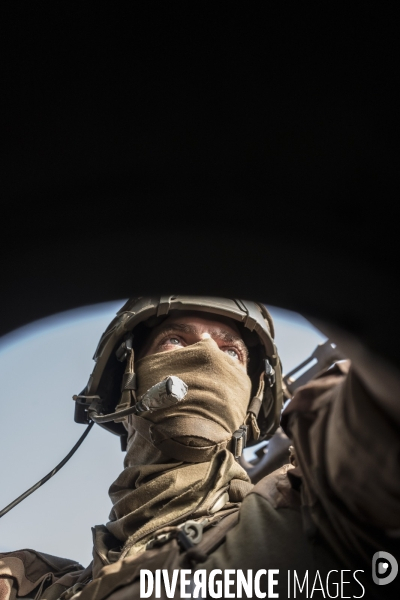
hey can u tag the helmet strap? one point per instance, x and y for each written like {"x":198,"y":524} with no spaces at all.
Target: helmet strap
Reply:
{"x":128,"y":386}
{"x":254,"y":409}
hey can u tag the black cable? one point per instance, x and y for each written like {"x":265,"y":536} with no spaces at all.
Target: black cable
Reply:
{"x":99,"y":418}
{"x":49,"y":475}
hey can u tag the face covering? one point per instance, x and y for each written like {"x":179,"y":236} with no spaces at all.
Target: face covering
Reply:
{"x":178,"y":464}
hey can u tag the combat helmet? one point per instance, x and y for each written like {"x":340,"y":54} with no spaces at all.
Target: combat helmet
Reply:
{"x":101,"y":400}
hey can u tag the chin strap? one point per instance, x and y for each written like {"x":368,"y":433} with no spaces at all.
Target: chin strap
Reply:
{"x":254,"y":408}
{"x":128,"y":386}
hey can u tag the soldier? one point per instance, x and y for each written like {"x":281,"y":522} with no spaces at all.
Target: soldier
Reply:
{"x":200,"y":378}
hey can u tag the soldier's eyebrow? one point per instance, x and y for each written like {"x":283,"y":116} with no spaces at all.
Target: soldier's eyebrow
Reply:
{"x":222,"y":334}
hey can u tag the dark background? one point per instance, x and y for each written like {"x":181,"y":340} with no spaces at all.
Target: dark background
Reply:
{"x":176,"y":148}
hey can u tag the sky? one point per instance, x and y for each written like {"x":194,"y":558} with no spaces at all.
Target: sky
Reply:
{"x":42,"y":365}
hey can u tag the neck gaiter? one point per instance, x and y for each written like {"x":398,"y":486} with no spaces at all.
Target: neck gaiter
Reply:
{"x":178,"y":465}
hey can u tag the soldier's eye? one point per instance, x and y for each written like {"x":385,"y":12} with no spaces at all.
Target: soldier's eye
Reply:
{"x":174,"y":341}
{"x":232,"y":353}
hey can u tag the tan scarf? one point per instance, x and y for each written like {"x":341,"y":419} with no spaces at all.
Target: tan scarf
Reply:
{"x":159,"y":485}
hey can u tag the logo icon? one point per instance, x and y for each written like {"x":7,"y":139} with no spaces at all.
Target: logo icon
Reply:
{"x":384,"y":568}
